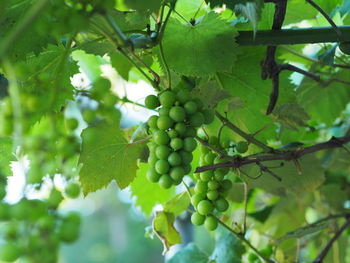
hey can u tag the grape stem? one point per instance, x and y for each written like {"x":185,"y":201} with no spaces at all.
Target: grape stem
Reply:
{"x":241,"y":237}
{"x":244,"y":135}
{"x":279,"y":156}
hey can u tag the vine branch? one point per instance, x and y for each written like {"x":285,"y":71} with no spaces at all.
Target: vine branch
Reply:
{"x":281,"y":156}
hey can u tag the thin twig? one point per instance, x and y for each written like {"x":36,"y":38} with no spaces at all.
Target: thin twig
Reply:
{"x":286,"y":156}
{"x":140,"y":141}
{"x":162,"y":56}
{"x":325,"y":15}
{"x":245,"y":207}
{"x":326,"y":249}
{"x":301,"y":71}
{"x":244,"y":135}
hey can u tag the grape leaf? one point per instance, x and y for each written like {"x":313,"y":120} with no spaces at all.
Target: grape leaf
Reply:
{"x":189,"y":49}
{"x":324,"y":101}
{"x":148,"y":194}
{"x":291,"y":115}
{"x":335,"y":201}
{"x":141,"y":5}
{"x":311,"y":177}
{"x":228,"y":249}
{"x":106,"y":157}
{"x":177,"y":204}
{"x":121,"y":64}
{"x":190,"y":253}
{"x":163,"y":226}
{"x":263,"y":214}
{"x":6,"y":156}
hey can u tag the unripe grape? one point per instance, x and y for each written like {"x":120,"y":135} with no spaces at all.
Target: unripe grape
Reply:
{"x":212,"y":195}
{"x":213,"y":140}
{"x":211,"y":223}
{"x":208,"y":116}
{"x":162,"y":166}
{"x":207,"y":175}
{"x":167,"y":98}
{"x":177,"y":113}
{"x":152,"y":121}
{"x":164,"y":111}
{"x":174,"y":159}
{"x":221,"y":204}
{"x":172,"y":133}
{"x":187,"y":168}
{"x":55,"y":198}
{"x":201,"y":187}
{"x":183,"y":95}
{"x":190,"y":144}
{"x":226,"y":184}
{"x":164,"y":122}
{"x":89,"y":115}
{"x":176,"y":144}
{"x":161,"y":137}
{"x":72,"y":124}
{"x":190,"y":132}
{"x":9,"y":252}
{"x":181,"y":128}
{"x":151,"y":102}
{"x":209,"y":158}
{"x":162,"y":152}
{"x":165,"y":181}
{"x":190,"y":107}
{"x":186,"y":157}
{"x":196,"y":198}
{"x":197,"y":119}
{"x":72,"y":190}
{"x":242,"y":147}
{"x":205,"y":207}
{"x":152,"y":175}
{"x":177,"y":173}
{"x":213,"y":185}
{"x":197,"y":219}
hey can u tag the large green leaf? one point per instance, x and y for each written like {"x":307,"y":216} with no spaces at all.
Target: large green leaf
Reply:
{"x":291,"y":115}
{"x":163,"y":226}
{"x":228,"y":249}
{"x":311,"y":177}
{"x":190,"y":49}
{"x":325,"y":101}
{"x":106,"y":155}
{"x":191,"y":253}
{"x":148,"y":194}
{"x":178,"y":204}
{"x":6,"y":156}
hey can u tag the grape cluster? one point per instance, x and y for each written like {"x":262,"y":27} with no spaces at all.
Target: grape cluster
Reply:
{"x":210,"y":190}
{"x":173,"y":133}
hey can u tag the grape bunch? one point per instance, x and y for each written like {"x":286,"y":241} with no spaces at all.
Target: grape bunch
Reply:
{"x":211,"y":190}
{"x":173,"y":131}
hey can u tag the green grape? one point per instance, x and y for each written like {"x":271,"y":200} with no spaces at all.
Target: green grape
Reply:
{"x":152,"y":175}
{"x":197,"y":119}
{"x":252,"y":258}
{"x":177,"y":173}
{"x":267,"y":251}
{"x":207,"y":175}
{"x":20,"y":210}
{"x":72,"y":124}
{"x":164,"y":122}
{"x":219,"y":174}
{"x":177,"y":113}
{"x":190,"y":144}
{"x":176,"y":144}
{"x":152,"y":147}
{"x":152,"y":102}
{"x":221,"y":204}
{"x":174,"y":159}
{"x":181,"y":128}
{"x":205,"y":207}
{"x":190,"y":107}
{"x":212,"y":195}
{"x":226,"y":184}
{"x":89,"y":115}
{"x":196,"y":198}
{"x":165,"y":181}
{"x":225,"y":144}
{"x":110,"y":100}
{"x":213,"y":185}
{"x":211,"y":223}
{"x":162,"y":167}
{"x":33,"y":103}
{"x":172,"y":133}
{"x":162,"y":152}
{"x":68,"y":232}
{"x":199,"y":103}
{"x":213,"y":140}
{"x":167,"y":98}
{"x":197,"y":219}
{"x":186,"y":157}
{"x":208,"y":116}
{"x":46,"y":222}
{"x":242,"y":147}
{"x":201,"y":187}
{"x":152,"y":159}
{"x":74,"y":218}
{"x":11,"y":231}
{"x":152,"y":121}
{"x":72,"y":190}
{"x":4,"y":211}
{"x":183,"y":95}
{"x":9,"y":252}
{"x":209,"y":158}
{"x":190,"y":132}
{"x":164,"y":111}
{"x":187,"y":168}
{"x":161,"y":137}
{"x":55,"y":198}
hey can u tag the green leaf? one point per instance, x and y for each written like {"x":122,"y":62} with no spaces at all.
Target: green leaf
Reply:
{"x":252,"y":11}
{"x":335,"y":201}
{"x":228,"y":249}
{"x":291,"y":115}
{"x":190,"y":253}
{"x":210,"y":94}
{"x":121,"y":64}
{"x":6,"y":156}
{"x":106,"y":155}
{"x":148,"y":194}
{"x":177,"y":204}
{"x":262,"y":214}
{"x":90,"y":64}
{"x":163,"y":226}
{"x":141,"y":5}
{"x":236,"y":193}
{"x":189,"y":49}
{"x":307,"y":230}
{"x":311,"y":177}
{"x":324,"y":101}
{"x":327,"y":57}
